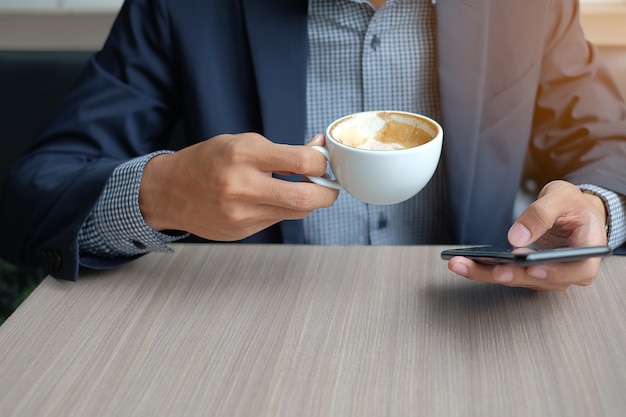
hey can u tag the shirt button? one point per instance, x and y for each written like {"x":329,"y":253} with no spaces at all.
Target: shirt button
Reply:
{"x":382,"y":222}
{"x":375,"y":43}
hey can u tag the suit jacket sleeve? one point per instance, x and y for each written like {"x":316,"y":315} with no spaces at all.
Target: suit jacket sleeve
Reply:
{"x":122,"y":107}
{"x":580,"y":118}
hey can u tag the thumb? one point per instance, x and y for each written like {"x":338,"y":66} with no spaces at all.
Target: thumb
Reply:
{"x":519,"y":235}
{"x":317,"y":140}
{"x":534,"y":222}
{"x":541,"y":215}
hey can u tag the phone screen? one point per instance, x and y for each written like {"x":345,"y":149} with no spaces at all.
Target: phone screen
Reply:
{"x":525,"y":256}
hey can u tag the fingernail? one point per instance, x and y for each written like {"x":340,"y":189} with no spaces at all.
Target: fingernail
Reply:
{"x":505,"y":276}
{"x":460,"y":269}
{"x":519,"y":235}
{"x":539,"y":273}
{"x":317,"y":139}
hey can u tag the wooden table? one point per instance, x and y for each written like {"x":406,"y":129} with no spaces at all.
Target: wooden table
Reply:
{"x":234,"y":330}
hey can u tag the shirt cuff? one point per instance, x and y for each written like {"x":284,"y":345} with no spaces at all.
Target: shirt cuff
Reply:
{"x":116,"y":226}
{"x":616,"y":208}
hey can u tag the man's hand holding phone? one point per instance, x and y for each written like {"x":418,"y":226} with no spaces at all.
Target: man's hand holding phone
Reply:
{"x":561,"y":217}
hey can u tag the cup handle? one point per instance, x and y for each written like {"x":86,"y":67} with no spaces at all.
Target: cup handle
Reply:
{"x":326,"y":182}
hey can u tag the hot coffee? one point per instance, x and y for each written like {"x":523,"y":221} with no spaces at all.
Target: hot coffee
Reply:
{"x":401,"y":154}
{"x":383,"y":131}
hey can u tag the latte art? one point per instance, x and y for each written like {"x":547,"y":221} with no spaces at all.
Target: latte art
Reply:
{"x":382,"y":131}
{"x":373,"y":144}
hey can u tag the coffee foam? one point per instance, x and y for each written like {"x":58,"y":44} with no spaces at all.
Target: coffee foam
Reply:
{"x":382,"y":131}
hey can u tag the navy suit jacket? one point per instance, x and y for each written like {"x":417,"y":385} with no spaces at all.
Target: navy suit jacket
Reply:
{"x":513,"y":76}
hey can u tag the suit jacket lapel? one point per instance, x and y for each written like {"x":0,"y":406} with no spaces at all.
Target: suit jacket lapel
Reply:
{"x":277,"y":31}
{"x":462,"y":45}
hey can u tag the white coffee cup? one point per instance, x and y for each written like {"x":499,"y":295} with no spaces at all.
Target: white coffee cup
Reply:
{"x":381,"y":157}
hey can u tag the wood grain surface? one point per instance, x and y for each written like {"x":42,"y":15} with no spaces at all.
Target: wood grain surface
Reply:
{"x":236,"y":330}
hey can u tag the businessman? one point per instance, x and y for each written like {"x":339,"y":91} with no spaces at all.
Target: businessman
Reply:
{"x":253,"y":81}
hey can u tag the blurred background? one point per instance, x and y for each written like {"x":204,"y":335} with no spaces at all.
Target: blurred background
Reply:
{"x":31,"y":31}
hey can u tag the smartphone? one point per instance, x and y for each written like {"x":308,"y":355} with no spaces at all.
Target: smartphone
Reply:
{"x":493,"y":255}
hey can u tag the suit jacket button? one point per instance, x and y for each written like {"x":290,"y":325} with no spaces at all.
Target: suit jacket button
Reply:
{"x":50,"y":259}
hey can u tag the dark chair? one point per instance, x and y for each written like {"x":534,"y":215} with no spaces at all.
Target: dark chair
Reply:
{"x":32,"y":83}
